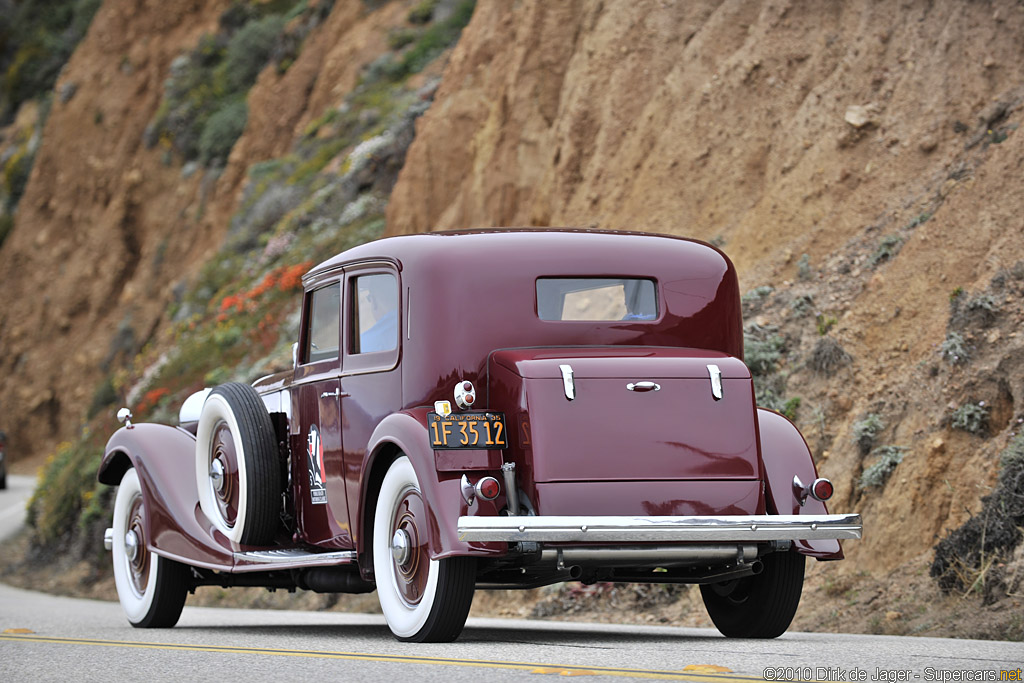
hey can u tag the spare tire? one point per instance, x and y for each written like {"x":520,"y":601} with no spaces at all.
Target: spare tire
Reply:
{"x":237,"y":471}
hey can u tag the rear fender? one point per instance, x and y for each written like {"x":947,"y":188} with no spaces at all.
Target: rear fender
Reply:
{"x":406,"y":432}
{"x":164,"y":458}
{"x":785,"y":454}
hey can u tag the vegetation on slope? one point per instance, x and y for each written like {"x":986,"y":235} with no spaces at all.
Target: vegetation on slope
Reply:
{"x":237,"y":321}
{"x":36,"y":40}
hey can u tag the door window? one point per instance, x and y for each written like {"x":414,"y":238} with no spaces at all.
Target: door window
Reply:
{"x":374,"y":313}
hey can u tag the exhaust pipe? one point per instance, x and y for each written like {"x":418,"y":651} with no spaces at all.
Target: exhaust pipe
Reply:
{"x":508,"y":473}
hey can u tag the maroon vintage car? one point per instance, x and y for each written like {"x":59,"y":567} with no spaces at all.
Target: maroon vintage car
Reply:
{"x":493,"y":409}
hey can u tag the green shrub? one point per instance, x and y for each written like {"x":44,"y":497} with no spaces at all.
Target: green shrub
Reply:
{"x":790,"y":407}
{"x":36,"y":39}
{"x":887,"y":248}
{"x":433,"y":41}
{"x":803,"y":268}
{"x":954,"y":349}
{"x":249,"y":50}
{"x":802,"y":304}
{"x":888,"y":458}
{"x":423,"y":12}
{"x":866,"y":431}
{"x":6,"y":225}
{"x":757,"y":294}
{"x":828,"y":355}
{"x":762,"y":349}
{"x":918,"y":219}
{"x":222,"y":130}
{"x":824,"y":323}
{"x":66,"y":485}
{"x":15,"y":174}
{"x":964,"y":557}
{"x":971,"y":417}
{"x":399,"y":38}
{"x":104,"y":396}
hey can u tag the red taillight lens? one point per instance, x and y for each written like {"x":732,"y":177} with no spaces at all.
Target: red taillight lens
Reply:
{"x":488,"y":488}
{"x":822,"y":489}
{"x":466,"y":386}
{"x":469,"y":398}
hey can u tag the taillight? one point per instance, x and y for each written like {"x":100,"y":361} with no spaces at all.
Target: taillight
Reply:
{"x":465,"y":394}
{"x":821,"y":489}
{"x":487,"y":489}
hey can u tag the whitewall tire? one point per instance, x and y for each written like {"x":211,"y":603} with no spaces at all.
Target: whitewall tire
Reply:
{"x":151,"y":589}
{"x":423,"y":600}
{"x":237,"y":471}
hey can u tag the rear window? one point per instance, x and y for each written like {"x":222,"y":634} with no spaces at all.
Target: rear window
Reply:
{"x":596,"y":299}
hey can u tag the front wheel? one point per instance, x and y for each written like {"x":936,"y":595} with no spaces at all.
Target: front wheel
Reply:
{"x":760,"y":606}
{"x":423,"y":600}
{"x":151,"y":588}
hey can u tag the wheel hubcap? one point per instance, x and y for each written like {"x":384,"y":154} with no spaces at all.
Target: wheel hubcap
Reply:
{"x":136,"y":554}
{"x":217,"y":475}
{"x":224,"y":473}
{"x":400,"y":547}
{"x":131,"y":546}
{"x":409,"y":551}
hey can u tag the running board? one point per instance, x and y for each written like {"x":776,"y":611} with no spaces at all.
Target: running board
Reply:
{"x":289,"y":558}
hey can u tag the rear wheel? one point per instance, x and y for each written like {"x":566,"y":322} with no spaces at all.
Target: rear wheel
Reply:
{"x":423,"y":600}
{"x":151,"y":588}
{"x":237,"y":472}
{"x":760,"y":606}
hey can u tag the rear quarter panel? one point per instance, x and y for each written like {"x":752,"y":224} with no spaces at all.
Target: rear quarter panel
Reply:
{"x":785,"y":454}
{"x":406,"y":433}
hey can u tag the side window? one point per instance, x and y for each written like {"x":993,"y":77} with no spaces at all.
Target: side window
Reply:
{"x":324,"y":317}
{"x":374,"y":312}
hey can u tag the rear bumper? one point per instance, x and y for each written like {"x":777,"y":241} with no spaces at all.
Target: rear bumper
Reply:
{"x":745,"y":528}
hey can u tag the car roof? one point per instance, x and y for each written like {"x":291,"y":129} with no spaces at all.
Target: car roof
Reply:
{"x":544,"y":248}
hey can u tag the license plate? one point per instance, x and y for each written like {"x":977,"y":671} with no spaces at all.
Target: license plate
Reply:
{"x":467,"y":430}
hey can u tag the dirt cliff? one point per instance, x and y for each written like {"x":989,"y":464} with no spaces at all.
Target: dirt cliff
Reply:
{"x":776,"y":129}
{"x":109,"y":228}
{"x":859,"y":162}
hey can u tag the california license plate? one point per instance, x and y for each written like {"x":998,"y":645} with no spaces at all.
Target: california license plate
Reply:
{"x":467,"y":430}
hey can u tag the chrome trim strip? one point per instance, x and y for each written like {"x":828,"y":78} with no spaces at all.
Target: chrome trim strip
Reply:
{"x":567,"y":382}
{"x":289,"y":558}
{"x":191,"y":562}
{"x":660,"y":529}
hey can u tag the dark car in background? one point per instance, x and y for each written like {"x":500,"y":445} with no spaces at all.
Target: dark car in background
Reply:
{"x":3,"y":460}
{"x":492,"y":409}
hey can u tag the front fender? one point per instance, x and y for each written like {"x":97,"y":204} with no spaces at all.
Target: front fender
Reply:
{"x":785,"y":453}
{"x":164,"y":458}
{"x":406,"y":431}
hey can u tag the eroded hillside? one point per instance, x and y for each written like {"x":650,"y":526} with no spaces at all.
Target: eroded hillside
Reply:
{"x":859,"y":158}
{"x":859,"y":161}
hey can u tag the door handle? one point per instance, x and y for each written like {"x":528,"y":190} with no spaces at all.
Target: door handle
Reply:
{"x":337,"y":393}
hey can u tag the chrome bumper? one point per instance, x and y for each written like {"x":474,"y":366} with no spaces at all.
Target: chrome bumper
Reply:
{"x":748,"y":528}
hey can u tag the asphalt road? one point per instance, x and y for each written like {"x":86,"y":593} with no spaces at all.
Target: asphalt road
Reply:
{"x":43,"y":638}
{"x":49,"y":638}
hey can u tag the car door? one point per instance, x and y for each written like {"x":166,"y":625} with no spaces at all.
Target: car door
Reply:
{"x":317,"y":460}
{"x":371,"y":381}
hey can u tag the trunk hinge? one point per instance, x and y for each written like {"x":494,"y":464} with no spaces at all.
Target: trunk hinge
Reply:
{"x":567,"y":381}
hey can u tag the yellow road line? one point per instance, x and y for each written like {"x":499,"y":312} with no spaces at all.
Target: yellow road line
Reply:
{"x":564,"y":670}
